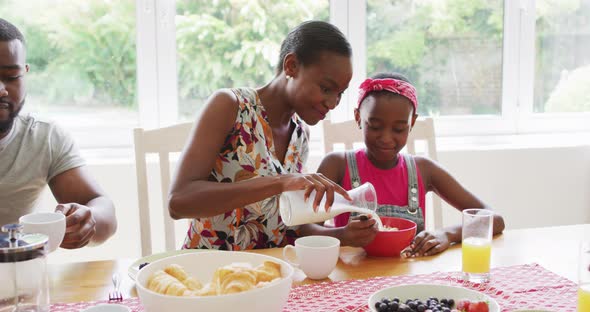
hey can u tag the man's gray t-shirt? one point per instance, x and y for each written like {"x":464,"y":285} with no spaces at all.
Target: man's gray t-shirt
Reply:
{"x":32,"y":154}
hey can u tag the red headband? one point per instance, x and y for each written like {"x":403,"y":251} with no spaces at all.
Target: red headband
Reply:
{"x":388,"y":84}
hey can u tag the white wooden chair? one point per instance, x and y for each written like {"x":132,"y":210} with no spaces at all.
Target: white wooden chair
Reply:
{"x":162,"y":141}
{"x":348,"y":133}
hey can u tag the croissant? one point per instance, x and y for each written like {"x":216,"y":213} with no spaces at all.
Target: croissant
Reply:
{"x":163,"y":283}
{"x":178,"y":272}
{"x":267,"y":271}
{"x":208,"y":290}
{"x":233,"y":278}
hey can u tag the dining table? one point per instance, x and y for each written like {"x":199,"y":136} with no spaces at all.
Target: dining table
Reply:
{"x":554,"y":249}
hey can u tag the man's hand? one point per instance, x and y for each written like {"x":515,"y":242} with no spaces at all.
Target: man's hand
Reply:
{"x":80,"y":225}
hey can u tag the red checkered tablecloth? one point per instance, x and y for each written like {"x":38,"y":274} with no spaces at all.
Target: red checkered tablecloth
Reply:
{"x":516,"y":287}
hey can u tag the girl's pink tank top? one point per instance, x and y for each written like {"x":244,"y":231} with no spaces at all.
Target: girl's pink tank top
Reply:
{"x":391,"y":185}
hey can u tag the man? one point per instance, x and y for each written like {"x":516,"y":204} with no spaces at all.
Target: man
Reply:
{"x":34,"y":153}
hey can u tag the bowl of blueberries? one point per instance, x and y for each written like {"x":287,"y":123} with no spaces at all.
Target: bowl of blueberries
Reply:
{"x":433,"y":298}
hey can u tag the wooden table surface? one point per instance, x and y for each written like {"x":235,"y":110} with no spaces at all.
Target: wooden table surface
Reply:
{"x":555,"y":248}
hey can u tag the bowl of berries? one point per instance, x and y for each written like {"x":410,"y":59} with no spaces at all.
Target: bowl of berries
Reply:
{"x":428,"y":297}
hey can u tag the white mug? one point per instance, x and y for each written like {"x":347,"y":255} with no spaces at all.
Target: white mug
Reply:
{"x":316,"y":255}
{"x":52,"y":224}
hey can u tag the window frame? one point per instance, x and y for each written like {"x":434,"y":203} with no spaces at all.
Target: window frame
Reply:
{"x":157,"y":79}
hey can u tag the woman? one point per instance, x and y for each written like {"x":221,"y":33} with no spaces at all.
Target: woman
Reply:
{"x":249,"y":145}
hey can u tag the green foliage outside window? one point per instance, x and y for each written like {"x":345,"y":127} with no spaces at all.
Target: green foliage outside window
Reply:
{"x":452,"y":50}
{"x":419,"y":39}
{"x":233,"y":43}
{"x":80,"y":52}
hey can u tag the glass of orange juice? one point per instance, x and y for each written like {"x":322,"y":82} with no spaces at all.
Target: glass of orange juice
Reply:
{"x":477,"y":244}
{"x":584,"y":277}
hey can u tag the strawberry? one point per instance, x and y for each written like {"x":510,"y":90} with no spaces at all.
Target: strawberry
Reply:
{"x":463,"y":305}
{"x":479,"y":306}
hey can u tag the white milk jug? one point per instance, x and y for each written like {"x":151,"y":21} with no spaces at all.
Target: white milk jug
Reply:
{"x":295,"y":210}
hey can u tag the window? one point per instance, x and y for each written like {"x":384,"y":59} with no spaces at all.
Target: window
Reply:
{"x":227,"y":43}
{"x":451,"y":50}
{"x":562,"y":79}
{"x":481,"y":66}
{"x":82,"y":66}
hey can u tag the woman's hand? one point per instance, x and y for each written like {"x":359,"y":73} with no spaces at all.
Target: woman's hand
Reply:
{"x":313,"y":182}
{"x":427,"y":243}
{"x":359,"y":232}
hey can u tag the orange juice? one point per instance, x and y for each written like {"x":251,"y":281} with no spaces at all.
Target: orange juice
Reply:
{"x":584,"y":298}
{"x":476,"y":255}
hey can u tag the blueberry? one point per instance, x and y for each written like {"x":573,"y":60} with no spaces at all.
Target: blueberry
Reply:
{"x":143,"y":264}
{"x":451,"y":303}
{"x":404,"y":308}
{"x":393,"y":306}
{"x":382,"y":307}
{"x":420,"y":308}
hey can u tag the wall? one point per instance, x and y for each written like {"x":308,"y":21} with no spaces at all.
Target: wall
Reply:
{"x":531,"y":187}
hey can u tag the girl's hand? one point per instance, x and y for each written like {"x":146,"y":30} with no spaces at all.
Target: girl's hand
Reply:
{"x":359,"y":232}
{"x":310,"y":182}
{"x":427,"y":244}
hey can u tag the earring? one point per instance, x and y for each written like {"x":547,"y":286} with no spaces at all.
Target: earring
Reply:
{"x":288,"y":77}
{"x":360,"y":126}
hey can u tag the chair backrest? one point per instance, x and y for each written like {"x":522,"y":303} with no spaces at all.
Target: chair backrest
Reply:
{"x":348,"y":133}
{"x":162,"y":141}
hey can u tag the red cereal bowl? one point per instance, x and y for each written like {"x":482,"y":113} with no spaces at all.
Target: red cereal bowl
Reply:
{"x":391,"y":243}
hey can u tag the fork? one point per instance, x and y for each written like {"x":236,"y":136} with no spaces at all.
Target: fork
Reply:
{"x":115,"y":294}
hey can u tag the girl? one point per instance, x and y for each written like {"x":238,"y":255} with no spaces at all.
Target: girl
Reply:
{"x":386,"y":112}
{"x":249,"y":145}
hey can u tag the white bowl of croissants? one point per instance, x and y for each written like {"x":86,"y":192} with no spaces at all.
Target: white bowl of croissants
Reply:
{"x":215,"y":281}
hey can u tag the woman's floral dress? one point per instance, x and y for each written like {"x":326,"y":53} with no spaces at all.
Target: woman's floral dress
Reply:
{"x":248,"y":152}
